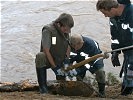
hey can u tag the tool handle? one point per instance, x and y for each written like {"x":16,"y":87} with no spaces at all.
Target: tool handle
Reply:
{"x":105,"y":55}
{"x":124,"y":48}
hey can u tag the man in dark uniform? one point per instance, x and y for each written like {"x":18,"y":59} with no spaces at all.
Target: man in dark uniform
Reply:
{"x":121,"y":25}
{"x":85,"y":46}
{"x":54,"y":49}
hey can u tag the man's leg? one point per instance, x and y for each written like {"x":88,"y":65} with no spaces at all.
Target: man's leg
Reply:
{"x":81,"y":76}
{"x":127,"y":85}
{"x":81,"y":73}
{"x":100,"y":77}
{"x":41,"y":72}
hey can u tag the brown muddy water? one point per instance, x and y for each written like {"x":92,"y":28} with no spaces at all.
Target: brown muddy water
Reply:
{"x":21,"y":24}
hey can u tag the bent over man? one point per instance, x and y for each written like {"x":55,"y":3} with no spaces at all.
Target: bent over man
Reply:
{"x":84,"y":45}
{"x":54,"y":49}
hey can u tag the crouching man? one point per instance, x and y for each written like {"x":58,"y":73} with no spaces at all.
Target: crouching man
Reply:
{"x":84,"y":45}
{"x":54,"y":48}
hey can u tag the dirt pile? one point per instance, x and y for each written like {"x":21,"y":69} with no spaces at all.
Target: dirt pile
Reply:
{"x":32,"y":93}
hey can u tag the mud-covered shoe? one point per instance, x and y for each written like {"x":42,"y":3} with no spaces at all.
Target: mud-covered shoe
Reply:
{"x":102,"y":94}
{"x":43,"y":90}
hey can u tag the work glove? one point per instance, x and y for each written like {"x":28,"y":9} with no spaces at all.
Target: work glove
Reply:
{"x":58,"y":71}
{"x":72,"y":73}
{"x":77,"y":71}
{"x":115,"y":59}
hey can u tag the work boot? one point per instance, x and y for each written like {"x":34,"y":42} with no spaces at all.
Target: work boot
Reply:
{"x":42,"y":75}
{"x":126,"y":90}
{"x":101,"y":87}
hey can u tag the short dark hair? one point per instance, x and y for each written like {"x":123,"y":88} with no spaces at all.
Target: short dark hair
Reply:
{"x":65,"y":20}
{"x":107,"y":4}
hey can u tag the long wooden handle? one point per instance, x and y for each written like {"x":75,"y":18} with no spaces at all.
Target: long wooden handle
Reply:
{"x":119,"y":49}
{"x":86,"y":61}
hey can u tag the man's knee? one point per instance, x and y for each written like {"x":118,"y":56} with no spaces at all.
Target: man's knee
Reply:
{"x":40,"y":60}
{"x":100,"y":75}
{"x":40,"y":55}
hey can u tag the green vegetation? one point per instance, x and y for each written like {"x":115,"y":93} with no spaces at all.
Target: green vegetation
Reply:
{"x":111,"y":79}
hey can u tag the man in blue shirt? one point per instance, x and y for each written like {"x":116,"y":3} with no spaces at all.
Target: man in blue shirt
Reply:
{"x":121,"y":25}
{"x":85,"y":46}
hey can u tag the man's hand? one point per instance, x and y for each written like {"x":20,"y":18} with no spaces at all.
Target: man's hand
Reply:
{"x":57,"y":70}
{"x":115,"y":59}
{"x":72,"y":73}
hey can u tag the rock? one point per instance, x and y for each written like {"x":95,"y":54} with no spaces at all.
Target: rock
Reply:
{"x":72,"y":88}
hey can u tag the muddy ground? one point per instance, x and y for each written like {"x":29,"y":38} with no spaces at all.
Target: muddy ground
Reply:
{"x":112,"y":92}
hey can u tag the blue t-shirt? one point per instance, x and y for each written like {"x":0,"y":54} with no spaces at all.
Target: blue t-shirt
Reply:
{"x":89,"y":47}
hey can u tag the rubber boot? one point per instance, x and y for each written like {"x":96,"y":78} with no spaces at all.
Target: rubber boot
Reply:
{"x":126,"y":90}
{"x":101,"y":87}
{"x":41,"y":75}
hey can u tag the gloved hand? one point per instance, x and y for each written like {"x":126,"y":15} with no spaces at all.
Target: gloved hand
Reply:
{"x":77,"y":71}
{"x":115,"y":59}
{"x":57,"y":70}
{"x":72,"y":73}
